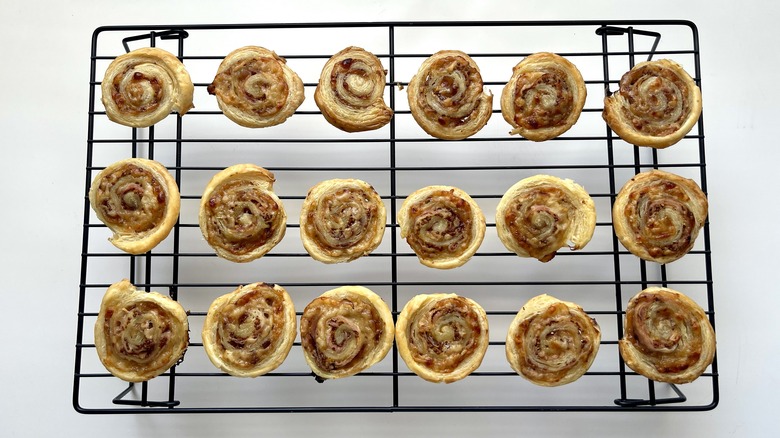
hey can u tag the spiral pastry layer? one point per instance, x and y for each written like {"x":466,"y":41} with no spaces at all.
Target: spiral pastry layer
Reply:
{"x":139,"y":335}
{"x":657,"y":215}
{"x":544,"y":97}
{"x":240,"y":215}
{"x":668,"y":337}
{"x":345,"y":331}
{"x":552,"y":342}
{"x":657,"y":104}
{"x":446,"y":96}
{"x":249,"y":332}
{"x":138,"y":200}
{"x":351,"y":89}
{"x":342,"y":220}
{"x":442,"y":337}
{"x":256,"y":88}
{"x":541,"y":214}
{"x":142,"y":87}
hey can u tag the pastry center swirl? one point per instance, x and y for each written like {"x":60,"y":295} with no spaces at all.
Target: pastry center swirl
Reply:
{"x":256,"y":85}
{"x":539,"y":219}
{"x":242,"y":217}
{"x":131,"y":199}
{"x":658,"y":100}
{"x":443,"y":334}
{"x":543,"y":99}
{"x":441,"y":225}
{"x":339,"y":333}
{"x":356,"y":83}
{"x":250,"y":327}
{"x":451,"y":91}
{"x":139,"y":334}
{"x":139,"y":88}
{"x":343,"y":218}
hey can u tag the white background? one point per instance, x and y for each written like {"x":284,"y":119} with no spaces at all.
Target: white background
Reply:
{"x":44,"y":77}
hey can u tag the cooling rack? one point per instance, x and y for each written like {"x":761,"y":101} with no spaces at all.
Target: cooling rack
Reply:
{"x":396,"y":160}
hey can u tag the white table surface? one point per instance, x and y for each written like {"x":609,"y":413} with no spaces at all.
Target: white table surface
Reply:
{"x":43,"y":103}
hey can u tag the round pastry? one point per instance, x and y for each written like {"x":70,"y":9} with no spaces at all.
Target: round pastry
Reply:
{"x":345,"y":331}
{"x":657,"y":104}
{"x":552,"y":342}
{"x":342,"y":220}
{"x":139,"y":202}
{"x":668,"y":337}
{"x":142,"y":87}
{"x":442,"y":337}
{"x":446,"y":96}
{"x":443,"y":225}
{"x":657,"y":215}
{"x":139,"y":335}
{"x":544,"y":97}
{"x":255,"y":88}
{"x":240,"y":215}
{"x":249,"y":332}
{"x":541,"y":214}
{"x":351,"y":89}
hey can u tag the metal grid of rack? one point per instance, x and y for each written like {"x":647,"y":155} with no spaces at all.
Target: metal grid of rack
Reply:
{"x":395,"y":159}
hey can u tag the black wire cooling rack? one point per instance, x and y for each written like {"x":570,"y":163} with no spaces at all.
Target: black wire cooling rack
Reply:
{"x":396,"y":160}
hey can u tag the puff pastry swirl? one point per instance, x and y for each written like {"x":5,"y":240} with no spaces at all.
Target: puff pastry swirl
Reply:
{"x":345,"y":331}
{"x":443,"y":225}
{"x":552,"y":342}
{"x":657,"y":215}
{"x":442,"y":337}
{"x":342,"y":220}
{"x":544,"y":97}
{"x":139,"y":202}
{"x":657,"y":104}
{"x":249,"y":332}
{"x":142,"y":87}
{"x":350,"y":92}
{"x":446,"y":96}
{"x":256,"y":88}
{"x":541,"y":214}
{"x":139,"y":335}
{"x":668,"y":337}
{"x":240,"y":215}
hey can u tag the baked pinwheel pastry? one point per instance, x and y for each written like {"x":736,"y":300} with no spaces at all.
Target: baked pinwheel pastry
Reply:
{"x":249,"y":332}
{"x":342,"y":220}
{"x":552,"y":342}
{"x":442,"y":337}
{"x":139,"y":202}
{"x":240,"y":215}
{"x":668,"y":337}
{"x":657,"y":104}
{"x":443,"y":226}
{"x":351,"y":90}
{"x":657,"y":215}
{"x":142,"y":87}
{"x":446,"y":96}
{"x":541,"y":214}
{"x":139,"y":335}
{"x":345,"y":331}
{"x":256,"y":88}
{"x":544,"y":97}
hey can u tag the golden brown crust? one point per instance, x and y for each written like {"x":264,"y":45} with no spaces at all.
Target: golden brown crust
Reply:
{"x":249,"y":332}
{"x":446,"y":96}
{"x":443,"y":225}
{"x":256,"y":88}
{"x":668,"y":337}
{"x":442,"y":337}
{"x":552,"y":342}
{"x":345,"y":331}
{"x":541,"y":214}
{"x":350,"y":92}
{"x":240,"y":215}
{"x":142,"y":87}
{"x":657,"y":104}
{"x":139,"y":335}
{"x":544,"y":97}
{"x":139,"y":202}
{"x":657,"y":215}
{"x":342,"y":220}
